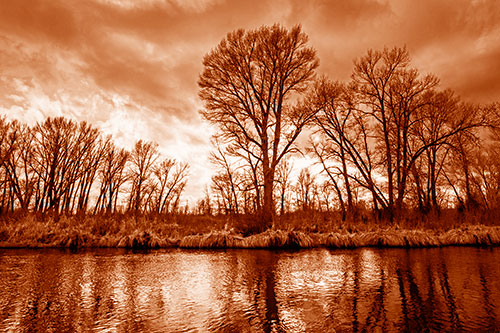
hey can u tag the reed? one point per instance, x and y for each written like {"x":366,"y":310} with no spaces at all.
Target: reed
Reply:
{"x":420,"y":238}
{"x":208,"y":232}
{"x":278,"y":239}
{"x":338,"y":240}
{"x":275,"y":239}
{"x":214,"y":240}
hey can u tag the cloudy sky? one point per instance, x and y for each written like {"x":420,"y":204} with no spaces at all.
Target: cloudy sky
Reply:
{"x":131,"y":67}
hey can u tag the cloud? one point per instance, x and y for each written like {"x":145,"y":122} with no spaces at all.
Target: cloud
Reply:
{"x":38,"y":19}
{"x":131,"y":67}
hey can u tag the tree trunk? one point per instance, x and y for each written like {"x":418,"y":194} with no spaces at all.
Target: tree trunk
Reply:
{"x":268,"y":206}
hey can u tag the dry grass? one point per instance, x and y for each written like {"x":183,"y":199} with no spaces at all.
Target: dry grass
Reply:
{"x":214,"y":240}
{"x":210,"y":232}
{"x":74,"y":232}
{"x":278,"y":239}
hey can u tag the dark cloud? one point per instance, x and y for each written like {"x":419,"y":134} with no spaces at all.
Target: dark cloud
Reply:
{"x":34,"y":19}
{"x":478,"y":80}
{"x":335,"y":16}
{"x":181,"y":34}
{"x":124,"y":72}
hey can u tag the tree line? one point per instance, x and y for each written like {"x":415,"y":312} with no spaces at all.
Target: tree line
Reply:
{"x":388,"y":139}
{"x":65,"y":167}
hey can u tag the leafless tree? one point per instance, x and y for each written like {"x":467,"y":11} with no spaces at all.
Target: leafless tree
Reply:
{"x":345,"y":148}
{"x":93,"y":159}
{"x":391,"y":93}
{"x":204,"y":205}
{"x":9,"y":137}
{"x":390,"y":105}
{"x":249,"y":84}
{"x":55,"y":163}
{"x":305,"y":190}
{"x":436,"y":117}
{"x":18,"y":166}
{"x":86,"y":156}
{"x":327,"y":192}
{"x":466,"y":157}
{"x":283,"y":183}
{"x":112,"y":177}
{"x":143,"y":158}
{"x":226,"y":183}
{"x":171,"y":178}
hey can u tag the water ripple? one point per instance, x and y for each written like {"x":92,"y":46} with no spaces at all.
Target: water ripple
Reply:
{"x":318,"y":290}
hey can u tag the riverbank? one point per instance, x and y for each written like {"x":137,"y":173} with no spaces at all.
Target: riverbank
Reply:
{"x":127,"y":232}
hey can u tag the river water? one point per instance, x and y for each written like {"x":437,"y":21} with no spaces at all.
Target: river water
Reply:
{"x":448,"y":289}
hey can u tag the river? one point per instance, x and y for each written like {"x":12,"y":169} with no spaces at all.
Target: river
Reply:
{"x":446,"y":289}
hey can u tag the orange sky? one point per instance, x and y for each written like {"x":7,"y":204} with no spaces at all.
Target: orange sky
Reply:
{"x":131,"y":67}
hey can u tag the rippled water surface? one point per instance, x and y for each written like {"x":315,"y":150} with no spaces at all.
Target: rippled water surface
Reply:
{"x":447,"y":289}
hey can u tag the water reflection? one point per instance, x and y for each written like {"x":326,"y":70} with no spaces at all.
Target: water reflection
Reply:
{"x":449,"y":289}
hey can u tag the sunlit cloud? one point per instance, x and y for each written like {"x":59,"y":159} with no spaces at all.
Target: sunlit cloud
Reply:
{"x":197,"y":6}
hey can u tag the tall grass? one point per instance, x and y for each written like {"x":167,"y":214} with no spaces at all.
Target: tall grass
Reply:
{"x":292,"y":231}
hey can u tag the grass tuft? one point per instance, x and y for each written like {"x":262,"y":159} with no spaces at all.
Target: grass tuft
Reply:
{"x":210,"y":232}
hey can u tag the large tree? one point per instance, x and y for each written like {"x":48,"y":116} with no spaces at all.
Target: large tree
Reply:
{"x":250,"y":85}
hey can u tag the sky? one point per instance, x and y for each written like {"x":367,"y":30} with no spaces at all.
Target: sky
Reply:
{"x":131,"y":67}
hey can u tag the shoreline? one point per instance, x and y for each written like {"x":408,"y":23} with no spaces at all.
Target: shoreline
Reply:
{"x":471,"y":235}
